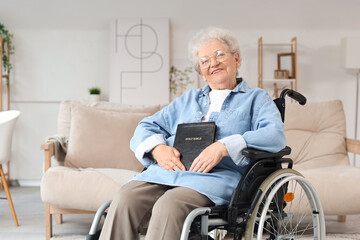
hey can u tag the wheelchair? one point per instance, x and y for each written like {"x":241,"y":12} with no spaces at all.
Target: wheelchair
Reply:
{"x":271,"y":201}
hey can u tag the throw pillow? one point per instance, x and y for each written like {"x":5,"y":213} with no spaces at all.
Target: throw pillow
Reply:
{"x":100,"y":139}
{"x":64,"y":118}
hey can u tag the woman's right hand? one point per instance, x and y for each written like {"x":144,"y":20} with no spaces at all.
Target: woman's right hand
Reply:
{"x":167,"y":157}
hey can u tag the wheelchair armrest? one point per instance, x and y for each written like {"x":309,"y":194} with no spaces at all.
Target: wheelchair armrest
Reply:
{"x":259,"y":154}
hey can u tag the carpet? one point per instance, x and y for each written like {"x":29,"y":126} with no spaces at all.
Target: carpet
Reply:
{"x":75,"y":237}
{"x":329,"y":236}
{"x":342,"y":236}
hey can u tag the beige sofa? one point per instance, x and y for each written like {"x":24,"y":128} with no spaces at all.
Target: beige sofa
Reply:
{"x":316,"y":134}
{"x":95,"y":162}
{"x":98,"y":160}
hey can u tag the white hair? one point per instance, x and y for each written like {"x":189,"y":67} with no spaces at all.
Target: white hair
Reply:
{"x":224,"y":36}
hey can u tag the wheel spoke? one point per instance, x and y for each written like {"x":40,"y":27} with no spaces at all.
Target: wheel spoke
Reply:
{"x":306,"y":229}
{"x":301,"y":217}
{"x":281,"y":215}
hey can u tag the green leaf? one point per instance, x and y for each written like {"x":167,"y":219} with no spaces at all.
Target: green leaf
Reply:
{"x":4,"y":34}
{"x":179,"y":79}
{"x":94,"y":90}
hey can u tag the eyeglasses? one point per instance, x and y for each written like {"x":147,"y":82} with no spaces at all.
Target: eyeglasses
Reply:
{"x":219,"y":56}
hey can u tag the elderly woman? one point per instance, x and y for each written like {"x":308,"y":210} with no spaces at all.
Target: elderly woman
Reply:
{"x":164,"y":194}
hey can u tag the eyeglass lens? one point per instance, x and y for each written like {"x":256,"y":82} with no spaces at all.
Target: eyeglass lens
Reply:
{"x":219,"y":56}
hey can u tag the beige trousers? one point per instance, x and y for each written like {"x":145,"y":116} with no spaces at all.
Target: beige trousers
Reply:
{"x":163,"y":208}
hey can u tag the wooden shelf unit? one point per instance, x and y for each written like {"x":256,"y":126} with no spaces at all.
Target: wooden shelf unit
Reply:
{"x":290,"y":47}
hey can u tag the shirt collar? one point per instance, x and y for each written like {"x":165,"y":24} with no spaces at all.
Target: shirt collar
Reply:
{"x":240,"y":87}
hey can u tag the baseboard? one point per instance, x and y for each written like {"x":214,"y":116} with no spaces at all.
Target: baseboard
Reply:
{"x":14,"y":183}
{"x":28,"y":183}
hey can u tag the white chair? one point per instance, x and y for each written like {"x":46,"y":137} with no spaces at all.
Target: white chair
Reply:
{"x":7,"y":124}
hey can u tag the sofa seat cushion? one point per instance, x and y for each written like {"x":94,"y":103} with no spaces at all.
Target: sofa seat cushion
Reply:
{"x":337,"y":187}
{"x":84,"y":189}
{"x":316,"y":134}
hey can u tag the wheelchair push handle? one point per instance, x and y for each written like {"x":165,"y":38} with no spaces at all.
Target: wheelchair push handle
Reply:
{"x":294,"y":95}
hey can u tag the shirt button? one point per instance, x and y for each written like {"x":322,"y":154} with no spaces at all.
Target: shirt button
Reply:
{"x":204,"y":104}
{"x":200,"y":112}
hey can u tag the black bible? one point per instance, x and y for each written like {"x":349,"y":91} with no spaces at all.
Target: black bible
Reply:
{"x":192,"y":138}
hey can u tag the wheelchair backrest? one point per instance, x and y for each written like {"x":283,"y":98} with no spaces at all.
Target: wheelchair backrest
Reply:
{"x":259,"y":170}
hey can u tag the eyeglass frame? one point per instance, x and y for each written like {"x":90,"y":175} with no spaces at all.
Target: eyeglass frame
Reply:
{"x":216,"y":57}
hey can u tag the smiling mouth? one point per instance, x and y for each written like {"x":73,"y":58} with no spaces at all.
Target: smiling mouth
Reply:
{"x":216,"y":71}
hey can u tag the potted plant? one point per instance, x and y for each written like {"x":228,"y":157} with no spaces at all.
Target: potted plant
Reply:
{"x":94,"y":94}
{"x":7,"y":49}
{"x":179,"y":80}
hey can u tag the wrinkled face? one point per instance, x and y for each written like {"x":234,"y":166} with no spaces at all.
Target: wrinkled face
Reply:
{"x":217,"y":65}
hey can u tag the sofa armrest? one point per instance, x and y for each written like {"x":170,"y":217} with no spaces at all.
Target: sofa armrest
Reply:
{"x":353,"y":145}
{"x":49,"y":150}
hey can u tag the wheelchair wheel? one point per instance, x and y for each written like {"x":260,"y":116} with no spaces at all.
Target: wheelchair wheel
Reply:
{"x":288,"y":209}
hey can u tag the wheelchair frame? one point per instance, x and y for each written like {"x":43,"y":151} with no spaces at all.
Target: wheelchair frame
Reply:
{"x":240,"y":216}
{"x":257,"y":201}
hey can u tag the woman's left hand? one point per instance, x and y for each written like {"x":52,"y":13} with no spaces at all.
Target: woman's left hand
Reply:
{"x":209,"y":157}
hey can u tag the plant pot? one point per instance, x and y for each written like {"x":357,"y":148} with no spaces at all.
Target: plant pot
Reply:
{"x":94,"y":98}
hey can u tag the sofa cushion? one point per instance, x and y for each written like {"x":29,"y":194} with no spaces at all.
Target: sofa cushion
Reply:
{"x":336,"y":187}
{"x":84,"y":189}
{"x":316,"y":134}
{"x":64,"y":117}
{"x":100,"y":139}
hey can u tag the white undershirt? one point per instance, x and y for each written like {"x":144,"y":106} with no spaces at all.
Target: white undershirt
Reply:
{"x":217,"y":98}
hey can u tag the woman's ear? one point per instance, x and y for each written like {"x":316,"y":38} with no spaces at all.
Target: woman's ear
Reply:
{"x":204,"y":79}
{"x":202,"y":76}
{"x":237,"y":60}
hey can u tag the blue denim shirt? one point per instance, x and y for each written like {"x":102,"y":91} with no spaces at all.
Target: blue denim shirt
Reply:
{"x":248,"y":118}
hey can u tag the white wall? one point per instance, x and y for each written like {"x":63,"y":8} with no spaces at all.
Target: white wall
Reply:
{"x":54,"y":64}
{"x":51,"y":66}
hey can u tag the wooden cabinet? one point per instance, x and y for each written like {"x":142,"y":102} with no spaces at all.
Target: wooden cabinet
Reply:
{"x":285,"y":70}
{"x":4,"y":74}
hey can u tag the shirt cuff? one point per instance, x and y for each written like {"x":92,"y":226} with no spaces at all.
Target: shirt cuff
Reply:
{"x":146,"y":146}
{"x":234,"y":144}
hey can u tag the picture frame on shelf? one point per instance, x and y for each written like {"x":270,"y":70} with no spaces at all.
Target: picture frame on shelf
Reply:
{"x":286,"y":61}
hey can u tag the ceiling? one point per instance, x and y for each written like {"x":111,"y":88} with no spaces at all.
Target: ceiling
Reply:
{"x":184,"y":14}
